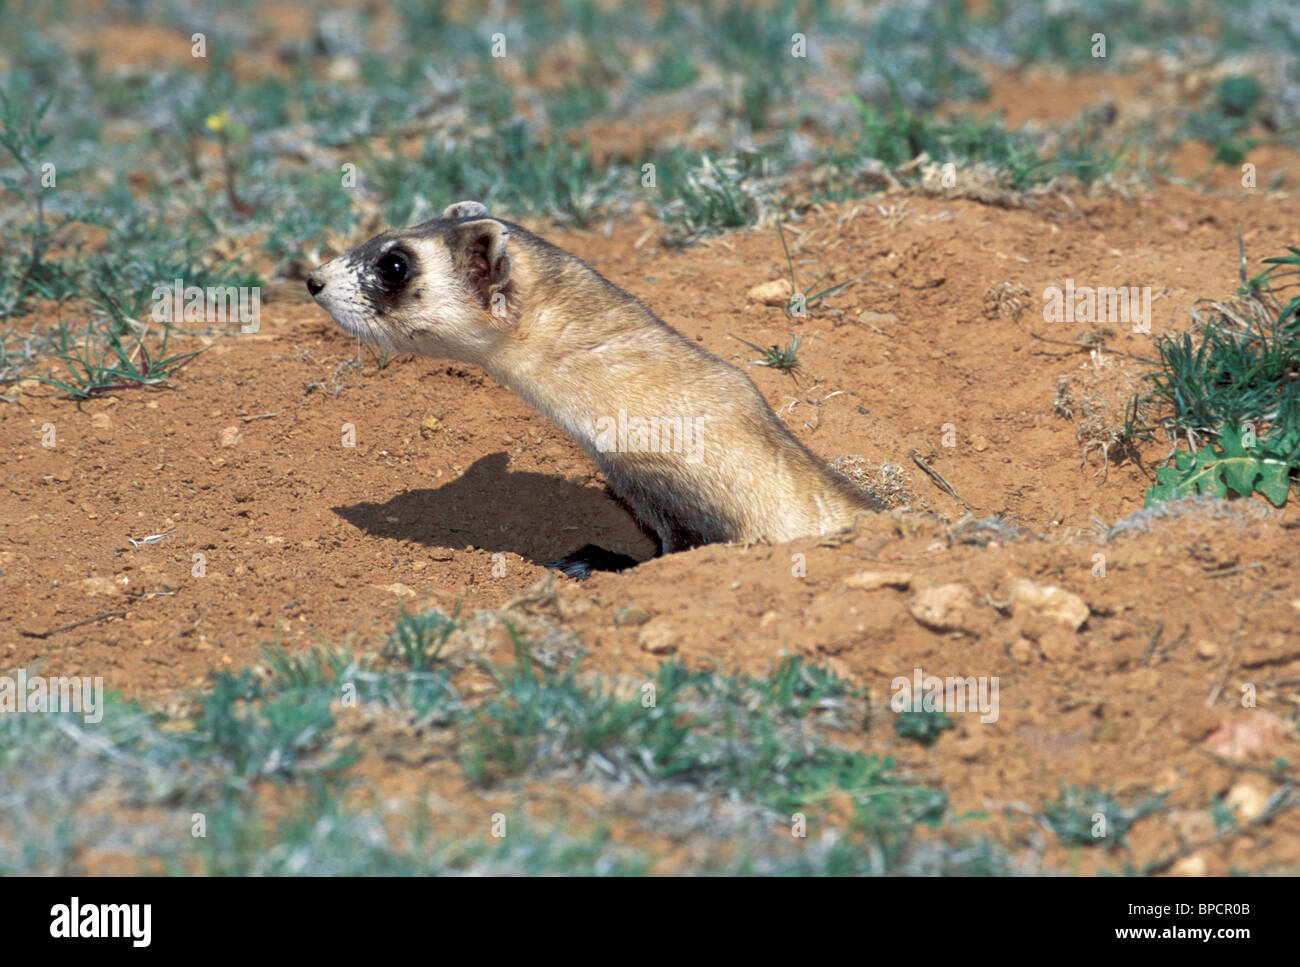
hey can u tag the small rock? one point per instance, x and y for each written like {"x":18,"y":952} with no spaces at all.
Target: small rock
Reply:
{"x":430,"y":425}
{"x":928,"y":279}
{"x":775,"y":293}
{"x":1193,"y":865}
{"x":1272,"y":649}
{"x":401,"y":590}
{"x":99,"y":585}
{"x":1022,"y":651}
{"x":970,"y":749}
{"x":658,"y":638}
{"x":1059,"y":644}
{"x":945,"y":608}
{"x":230,"y":436}
{"x":878,"y":319}
{"x":1207,"y":650}
{"x":1044,"y":601}
{"x":1248,"y":799}
{"x":979,"y":443}
{"x":1240,"y":739}
{"x":101,"y":421}
{"x":631,"y":615}
{"x":37,"y":626}
{"x":872,"y":580}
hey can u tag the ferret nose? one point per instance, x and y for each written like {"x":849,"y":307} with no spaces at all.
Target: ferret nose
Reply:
{"x":314,"y":285}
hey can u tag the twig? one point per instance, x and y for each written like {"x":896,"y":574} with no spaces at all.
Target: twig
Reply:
{"x":937,"y":477}
{"x":1234,"y":570}
{"x":1232,"y":660}
{"x":1084,"y":345}
{"x":1275,"y":774}
{"x":1151,"y":645}
{"x":78,"y":624}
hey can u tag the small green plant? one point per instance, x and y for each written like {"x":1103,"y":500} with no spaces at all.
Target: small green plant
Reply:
{"x":265,"y":733}
{"x":1080,"y":157}
{"x":99,"y":362}
{"x":809,"y":299}
{"x":786,"y":360}
{"x":319,"y":667}
{"x":1224,"y":816}
{"x":1090,"y":817}
{"x":22,"y":139}
{"x":797,"y":688}
{"x":1230,"y":114}
{"x":921,"y":725}
{"x":418,"y":639}
{"x":1231,"y":466}
{"x":711,"y":197}
{"x":229,"y":131}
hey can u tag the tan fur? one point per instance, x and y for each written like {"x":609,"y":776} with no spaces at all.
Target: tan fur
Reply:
{"x":581,"y":350}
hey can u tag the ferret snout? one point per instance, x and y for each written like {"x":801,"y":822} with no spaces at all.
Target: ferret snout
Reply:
{"x":315,"y":283}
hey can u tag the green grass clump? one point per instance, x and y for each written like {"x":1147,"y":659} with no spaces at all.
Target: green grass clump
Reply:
{"x":252,"y":776}
{"x":921,"y":725}
{"x":895,"y":135}
{"x":98,"y":361}
{"x":786,"y":360}
{"x":732,"y":735}
{"x":513,"y":169}
{"x":265,"y":734}
{"x":21,"y":138}
{"x":707,"y":197}
{"x":1232,"y":388}
{"x":1090,"y":817}
{"x":418,"y":639}
{"x":1231,"y":112}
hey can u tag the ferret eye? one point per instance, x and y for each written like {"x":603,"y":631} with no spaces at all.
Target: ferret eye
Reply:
{"x":393,"y":268}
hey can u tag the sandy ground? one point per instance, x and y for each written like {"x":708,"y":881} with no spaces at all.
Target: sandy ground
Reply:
{"x":454,"y":490}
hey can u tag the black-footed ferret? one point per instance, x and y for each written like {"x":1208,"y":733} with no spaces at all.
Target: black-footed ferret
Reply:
{"x":684,"y":439}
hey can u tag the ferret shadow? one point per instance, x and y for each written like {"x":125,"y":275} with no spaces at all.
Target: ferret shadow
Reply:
{"x":537,"y":516}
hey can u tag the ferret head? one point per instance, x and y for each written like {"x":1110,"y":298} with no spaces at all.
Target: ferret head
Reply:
{"x":442,"y":288}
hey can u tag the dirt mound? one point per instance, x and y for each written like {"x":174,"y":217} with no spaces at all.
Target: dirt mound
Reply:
{"x":282,"y":491}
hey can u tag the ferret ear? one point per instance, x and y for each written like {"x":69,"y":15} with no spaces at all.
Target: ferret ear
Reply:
{"x":465,"y":209}
{"x":481,"y":245}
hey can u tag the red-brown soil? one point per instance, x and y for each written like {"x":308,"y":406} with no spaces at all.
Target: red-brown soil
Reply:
{"x":305,"y":540}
